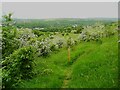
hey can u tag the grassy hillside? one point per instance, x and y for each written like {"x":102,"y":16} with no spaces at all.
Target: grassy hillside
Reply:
{"x":93,"y":65}
{"x":59,"y":53}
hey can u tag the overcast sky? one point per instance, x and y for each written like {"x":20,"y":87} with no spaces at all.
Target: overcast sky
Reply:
{"x":38,"y":10}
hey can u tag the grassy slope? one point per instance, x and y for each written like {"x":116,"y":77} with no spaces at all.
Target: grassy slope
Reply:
{"x":92,"y":65}
{"x":97,"y":68}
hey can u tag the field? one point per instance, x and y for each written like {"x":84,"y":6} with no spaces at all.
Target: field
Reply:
{"x":63,"y":55}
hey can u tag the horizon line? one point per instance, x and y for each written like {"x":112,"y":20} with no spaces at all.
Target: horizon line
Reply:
{"x":73,"y":18}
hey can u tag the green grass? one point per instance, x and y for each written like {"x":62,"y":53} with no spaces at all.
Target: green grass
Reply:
{"x":93,"y":65}
{"x":97,"y":68}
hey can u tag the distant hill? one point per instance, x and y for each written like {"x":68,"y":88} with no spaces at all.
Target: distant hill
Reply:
{"x":60,"y":22}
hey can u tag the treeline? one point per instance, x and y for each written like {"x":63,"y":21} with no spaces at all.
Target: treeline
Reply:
{"x":56,"y":24}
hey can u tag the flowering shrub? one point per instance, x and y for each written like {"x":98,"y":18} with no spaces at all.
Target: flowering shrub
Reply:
{"x":60,"y":43}
{"x":70,"y":42}
{"x":44,"y":48}
{"x":96,"y":32}
{"x":18,"y":66}
{"x":24,"y":36}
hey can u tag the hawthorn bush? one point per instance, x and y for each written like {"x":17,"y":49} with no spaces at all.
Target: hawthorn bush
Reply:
{"x":70,"y":42}
{"x":96,"y":32}
{"x":9,"y":33}
{"x":18,"y":66}
{"x":25,"y":36}
{"x":44,"y":48}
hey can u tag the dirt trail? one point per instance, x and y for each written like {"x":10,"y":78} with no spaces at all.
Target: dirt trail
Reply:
{"x":68,"y":72}
{"x":67,"y":78}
